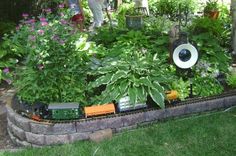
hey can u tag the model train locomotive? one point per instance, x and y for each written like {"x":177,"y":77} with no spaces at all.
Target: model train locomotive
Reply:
{"x":67,"y":111}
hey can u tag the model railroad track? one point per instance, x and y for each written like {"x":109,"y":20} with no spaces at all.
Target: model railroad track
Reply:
{"x":186,"y":102}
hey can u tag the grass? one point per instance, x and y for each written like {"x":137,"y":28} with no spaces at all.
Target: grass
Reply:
{"x":208,"y":134}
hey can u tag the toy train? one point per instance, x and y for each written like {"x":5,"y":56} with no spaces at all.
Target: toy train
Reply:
{"x":67,"y":111}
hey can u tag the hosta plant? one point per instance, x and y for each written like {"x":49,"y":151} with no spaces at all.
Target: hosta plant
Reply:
{"x":133,"y":74}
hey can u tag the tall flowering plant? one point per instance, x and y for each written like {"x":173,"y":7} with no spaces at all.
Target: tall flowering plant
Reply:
{"x":55,"y":63}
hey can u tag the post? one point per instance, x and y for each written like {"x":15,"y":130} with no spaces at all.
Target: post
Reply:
{"x":233,"y":13}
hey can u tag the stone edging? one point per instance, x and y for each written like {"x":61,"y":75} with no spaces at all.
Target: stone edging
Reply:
{"x":26,"y":132}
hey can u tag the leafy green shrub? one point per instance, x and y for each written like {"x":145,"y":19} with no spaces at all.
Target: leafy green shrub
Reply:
{"x":56,"y":59}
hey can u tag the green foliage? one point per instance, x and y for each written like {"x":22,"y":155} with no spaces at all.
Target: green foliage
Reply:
{"x":182,"y":87}
{"x":170,"y":8}
{"x":121,"y":12}
{"x":6,"y":27}
{"x":211,"y":5}
{"x":209,"y":37}
{"x":231,"y":80}
{"x":158,"y":24}
{"x":206,"y":86}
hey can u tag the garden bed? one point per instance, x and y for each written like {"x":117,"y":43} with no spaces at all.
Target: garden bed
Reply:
{"x":26,"y":132}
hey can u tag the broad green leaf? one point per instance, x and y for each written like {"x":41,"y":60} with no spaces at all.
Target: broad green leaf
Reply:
{"x":105,"y":79}
{"x":123,"y":86}
{"x":141,"y":94}
{"x":157,"y":96}
{"x":115,"y":93}
{"x":145,"y":81}
{"x":157,"y":86}
{"x":132,"y":95}
{"x":118,"y":75}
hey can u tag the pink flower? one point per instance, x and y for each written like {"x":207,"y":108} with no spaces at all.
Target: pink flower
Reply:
{"x":61,"y":5}
{"x":63,"y":21}
{"x":6,"y":70}
{"x":62,"y":15}
{"x":25,"y":15}
{"x":32,"y":21}
{"x":44,"y":23}
{"x":55,"y":38}
{"x":48,"y":10}
{"x":62,"y":42}
{"x":32,"y":38}
{"x":42,"y":19}
{"x":18,"y":28}
{"x":41,"y":32}
{"x":40,"y":66}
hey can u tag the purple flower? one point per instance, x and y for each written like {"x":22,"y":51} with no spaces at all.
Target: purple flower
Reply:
{"x":41,"y":32}
{"x":6,"y":70}
{"x":44,"y":23}
{"x":25,"y":15}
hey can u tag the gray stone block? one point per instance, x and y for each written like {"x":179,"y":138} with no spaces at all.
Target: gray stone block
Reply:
{"x":132,"y":119}
{"x":41,"y":128}
{"x":122,"y":129}
{"x":100,"y":135}
{"x":22,"y":122}
{"x":154,"y":115}
{"x":17,"y":132}
{"x":230,"y":101}
{"x":88,"y":126}
{"x":13,"y":139}
{"x":64,"y":128}
{"x":56,"y":139}
{"x":37,"y":139}
{"x":10,"y":114}
{"x":112,"y":123}
{"x":177,"y":111}
{"x":23,"y":143}
{"x":78,"y":136}
{"x":216,"y":103}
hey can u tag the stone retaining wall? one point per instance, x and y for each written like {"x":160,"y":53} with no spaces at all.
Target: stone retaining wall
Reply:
{"x":26,"y":132}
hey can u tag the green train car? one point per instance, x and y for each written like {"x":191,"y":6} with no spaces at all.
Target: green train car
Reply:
{"x":64,"y":111}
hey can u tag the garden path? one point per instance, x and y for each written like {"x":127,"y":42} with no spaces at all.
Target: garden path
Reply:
{"x":5,"y":141}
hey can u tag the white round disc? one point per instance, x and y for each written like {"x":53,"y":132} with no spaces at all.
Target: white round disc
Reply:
{"x":185,"y":64}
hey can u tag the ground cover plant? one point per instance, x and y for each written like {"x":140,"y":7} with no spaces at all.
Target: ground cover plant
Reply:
{"x":55,"y":63}
{"x":205,"y":134}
